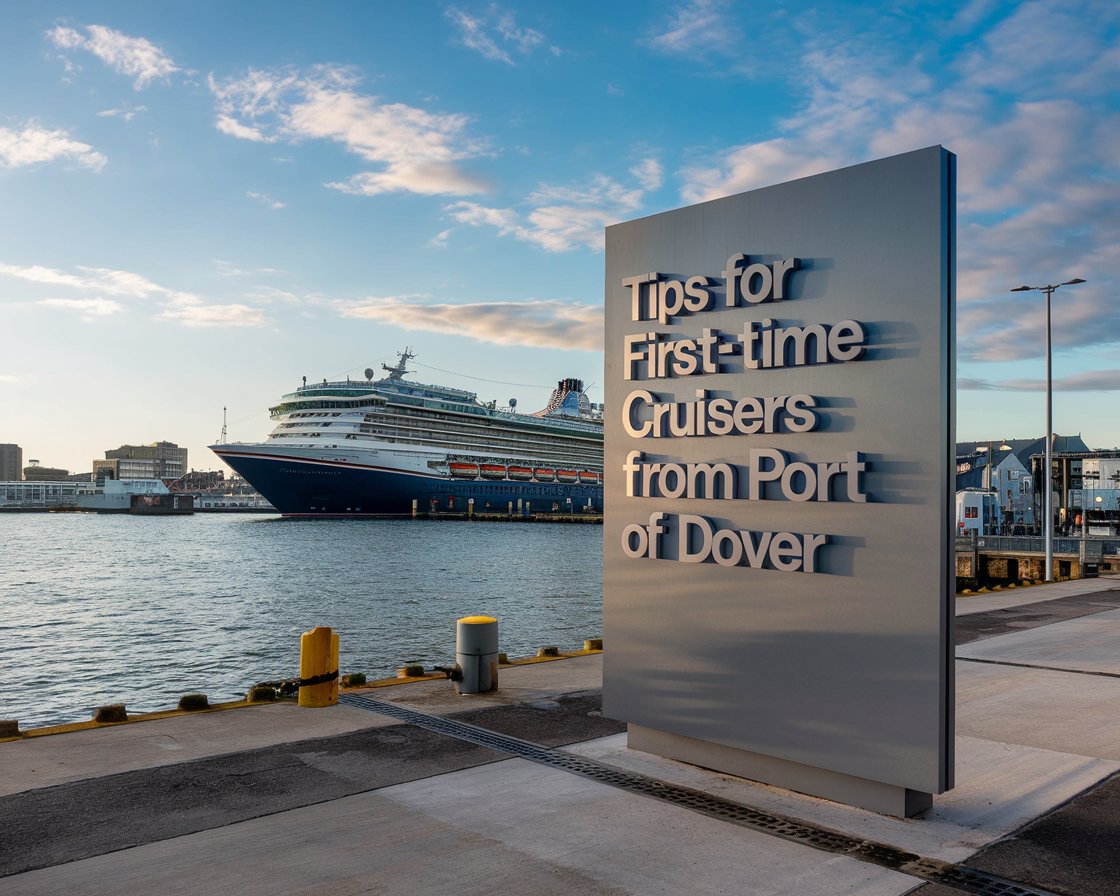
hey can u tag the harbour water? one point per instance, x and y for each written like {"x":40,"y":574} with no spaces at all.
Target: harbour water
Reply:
{"x":101,"y":609}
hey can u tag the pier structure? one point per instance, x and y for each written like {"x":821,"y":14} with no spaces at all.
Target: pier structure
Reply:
{"x":417,"y":789}
{"x":1014,"y":559}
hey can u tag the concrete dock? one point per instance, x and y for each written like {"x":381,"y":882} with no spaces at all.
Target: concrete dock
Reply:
{"x":274,"y":799}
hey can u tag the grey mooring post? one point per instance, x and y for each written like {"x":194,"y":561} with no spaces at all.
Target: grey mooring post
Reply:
{"x":476,"y":654}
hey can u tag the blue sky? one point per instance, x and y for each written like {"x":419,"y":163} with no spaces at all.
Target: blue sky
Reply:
{"x":202,"y":202}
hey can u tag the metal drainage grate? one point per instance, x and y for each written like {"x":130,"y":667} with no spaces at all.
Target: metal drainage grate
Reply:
{"x":959,"y":877}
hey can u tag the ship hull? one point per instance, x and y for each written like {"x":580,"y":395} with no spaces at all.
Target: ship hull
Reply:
{"x":298,"y":486}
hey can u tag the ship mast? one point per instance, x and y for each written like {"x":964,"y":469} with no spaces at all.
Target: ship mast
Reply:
{"x":398,"y":371}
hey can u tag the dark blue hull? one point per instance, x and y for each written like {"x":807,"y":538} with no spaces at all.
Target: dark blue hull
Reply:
{"x":322,"y":488}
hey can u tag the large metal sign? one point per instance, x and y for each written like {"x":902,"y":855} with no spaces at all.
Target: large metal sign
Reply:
{"x":779,"y":393}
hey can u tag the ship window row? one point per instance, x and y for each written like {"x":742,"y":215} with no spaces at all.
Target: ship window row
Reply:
{"x":484,"y":437}
{"x":510,"y":444}
{"x":283,"y":409}
{"x":466,"y":416}
{"x":426,"y":422}
{"x":505,"y":440}
{"x":538,"y":453}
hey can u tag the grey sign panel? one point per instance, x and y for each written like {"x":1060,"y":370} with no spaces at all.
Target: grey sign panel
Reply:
{"x":778,"y":501}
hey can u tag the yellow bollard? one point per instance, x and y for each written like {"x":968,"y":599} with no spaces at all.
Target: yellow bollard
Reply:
{"x":318,"y":659}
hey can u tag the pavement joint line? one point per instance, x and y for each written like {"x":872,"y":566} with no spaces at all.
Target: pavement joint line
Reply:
{"x":970,"y":659}
{"x":958,"y":877}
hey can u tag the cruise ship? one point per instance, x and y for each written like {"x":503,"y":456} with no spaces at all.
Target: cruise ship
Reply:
{"x":380,"y":448}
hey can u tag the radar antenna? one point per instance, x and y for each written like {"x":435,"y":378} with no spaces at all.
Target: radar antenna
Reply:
{"x":398,"y":370}
{"x":369,"y":374}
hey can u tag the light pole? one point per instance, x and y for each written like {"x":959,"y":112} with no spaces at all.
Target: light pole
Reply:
{"x":1085,"y":498}
{"x":1048,"y":502}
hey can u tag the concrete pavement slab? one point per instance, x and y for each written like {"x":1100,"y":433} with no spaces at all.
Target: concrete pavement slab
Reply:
{"x":1067,"y":712}
{"x":509,"y":826}
{"x":1017,"y":597}
{"x":77,"y":755}
{"x":631,"y":843}
{"x":51,"y":825}
{"x":977,"y":626}
{"x":1087,"y":644}
{"x":55,"y":825}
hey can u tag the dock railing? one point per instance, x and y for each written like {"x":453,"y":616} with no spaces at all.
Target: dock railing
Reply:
{"x":1036,"y":544}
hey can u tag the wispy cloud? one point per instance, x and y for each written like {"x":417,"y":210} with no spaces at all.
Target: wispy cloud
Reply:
{"x":416,"y":151}
{"x":753,"y":165}
{"x":1087,"y":381}
{"x":229,"y":269}
{"x":35,"y":145}
{"x":495,"y":34}
{"x":699,"y":25}
{"x":439,"y":241}
{"x":136,"y":57}
{"x":178,"y":306}
{"x":562,"y":218}
{"x":195,"y":313}
{"x":126,"y":113}
{"x":105,"y":280}
{"x":265,"y":200}
{"x":538,"y":323}
{"x":88,"y":308}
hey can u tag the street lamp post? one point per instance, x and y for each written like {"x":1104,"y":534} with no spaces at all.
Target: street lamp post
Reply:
{"x":1086,"y":477}
{"x":990,"y":449}
{"x":1048,"y":511}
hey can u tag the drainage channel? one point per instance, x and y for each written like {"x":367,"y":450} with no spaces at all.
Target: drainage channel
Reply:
{"x":959,"y":877}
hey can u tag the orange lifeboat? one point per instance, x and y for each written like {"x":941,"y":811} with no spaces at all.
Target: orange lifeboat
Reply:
{"x":542,"y":474}
{"x":587,"y":477}
{"x":463,"y":471}
{"x":567,"y":475}
{"x":521,"y":474}
{"x":492,"y":471}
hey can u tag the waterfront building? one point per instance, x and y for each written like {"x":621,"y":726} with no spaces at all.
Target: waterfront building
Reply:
{"x":1013,"y":472}
{"x":11,"y":462}
{"x":1084,"y":480}
{"x":35,"y":472}
{"x":976,"y":512}
{"x":160,"y":460}
{"x":20,"y":495}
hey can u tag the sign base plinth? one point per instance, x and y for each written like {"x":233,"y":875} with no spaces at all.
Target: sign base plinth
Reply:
{"x":886,"y":799}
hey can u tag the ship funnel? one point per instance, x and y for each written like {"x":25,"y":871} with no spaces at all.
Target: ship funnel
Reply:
{"x":568,"y":400}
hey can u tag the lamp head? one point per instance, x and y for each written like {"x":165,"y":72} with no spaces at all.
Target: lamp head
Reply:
{"x":1023,"y":288}
{"x":1072,"y":282}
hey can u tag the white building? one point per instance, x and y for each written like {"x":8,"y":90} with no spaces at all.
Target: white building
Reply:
{"x":977,"y":512}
